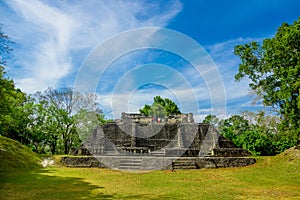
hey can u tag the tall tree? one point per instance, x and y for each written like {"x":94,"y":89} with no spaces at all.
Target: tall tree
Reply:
{"x":66,"y":113}
{"x":274,"y":71}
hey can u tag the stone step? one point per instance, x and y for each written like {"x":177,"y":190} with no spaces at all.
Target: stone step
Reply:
{"x":129,"y":168}
{"x":158,"y":153}
{"x":130,"y":161}
{"x":137,"y":160}
{"x":186,"y":159}
{"x":110,"y":152}
{"x":130,"y":164}
{"x":182,"y":163}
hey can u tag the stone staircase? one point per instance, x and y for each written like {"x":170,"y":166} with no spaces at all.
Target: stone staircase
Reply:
{"x":130,"y":164}
{"x":160,"y":152}
{"x":183,"y":163}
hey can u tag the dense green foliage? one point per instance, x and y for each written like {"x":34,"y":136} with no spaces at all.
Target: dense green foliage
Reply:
{"x":11,"y":110}
{"x":65,"y":112}
{"x":52,"y":121}
{"x":274,"y":71}
{"x":13,"y":115}
{"x":256,"y":132}
{"x":161,"y":107}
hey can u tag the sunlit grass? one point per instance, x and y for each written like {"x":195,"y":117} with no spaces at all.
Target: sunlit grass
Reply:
{"x":271,"y":178}
{"x":15,"y":156}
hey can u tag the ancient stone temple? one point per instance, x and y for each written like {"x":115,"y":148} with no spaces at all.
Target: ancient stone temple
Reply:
{"x":137,"y":142}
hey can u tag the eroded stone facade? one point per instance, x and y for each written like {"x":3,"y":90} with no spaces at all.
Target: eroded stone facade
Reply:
{"x":134,"y":142}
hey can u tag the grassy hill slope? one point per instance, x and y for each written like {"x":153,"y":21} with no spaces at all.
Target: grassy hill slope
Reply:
{"x":14,"y":155}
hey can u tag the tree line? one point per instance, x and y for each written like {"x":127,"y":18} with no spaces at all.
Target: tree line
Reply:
{"x":53,"y":121}
{"x":257,"y":132}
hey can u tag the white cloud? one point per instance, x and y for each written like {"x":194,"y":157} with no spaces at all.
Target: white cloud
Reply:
{"x":237,"y":93}
{"x":223,"y":55}
{"x":49,"y":60}
{"x":52,"y":34}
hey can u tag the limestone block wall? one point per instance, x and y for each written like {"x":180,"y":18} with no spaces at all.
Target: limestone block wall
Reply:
{"x":154,"y":136}
{"x":118,"y":134}
{"x":160,"y":135}
{"x":154,"y":163}
{"x":141,"y":118}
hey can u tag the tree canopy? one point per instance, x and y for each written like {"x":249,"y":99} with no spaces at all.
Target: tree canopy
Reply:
{"x":273,"y":68}
{"x":256,"y":132}
{"x":69,"y":115}
{"x":160,"y":107}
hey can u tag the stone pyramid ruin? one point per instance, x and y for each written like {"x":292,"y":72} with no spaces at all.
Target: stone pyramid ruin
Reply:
{"x":137,"y":142}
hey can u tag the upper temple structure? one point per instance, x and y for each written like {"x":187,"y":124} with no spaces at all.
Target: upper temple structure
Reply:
{"x":140,"y":118}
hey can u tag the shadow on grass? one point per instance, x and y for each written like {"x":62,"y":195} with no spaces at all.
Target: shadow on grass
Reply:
{"x":43,"y":184}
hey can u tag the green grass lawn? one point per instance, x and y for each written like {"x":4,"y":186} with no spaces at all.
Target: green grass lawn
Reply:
{"x":271,"y":178}
{"x":21,"y":177}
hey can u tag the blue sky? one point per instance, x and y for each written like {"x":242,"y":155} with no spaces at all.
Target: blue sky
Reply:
{"x":54,"y":39}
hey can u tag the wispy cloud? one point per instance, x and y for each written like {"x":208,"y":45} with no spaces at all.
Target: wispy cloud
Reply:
{"x":55,"y":37}
{"x":238,"y":94}
{"x":45,"y":57}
